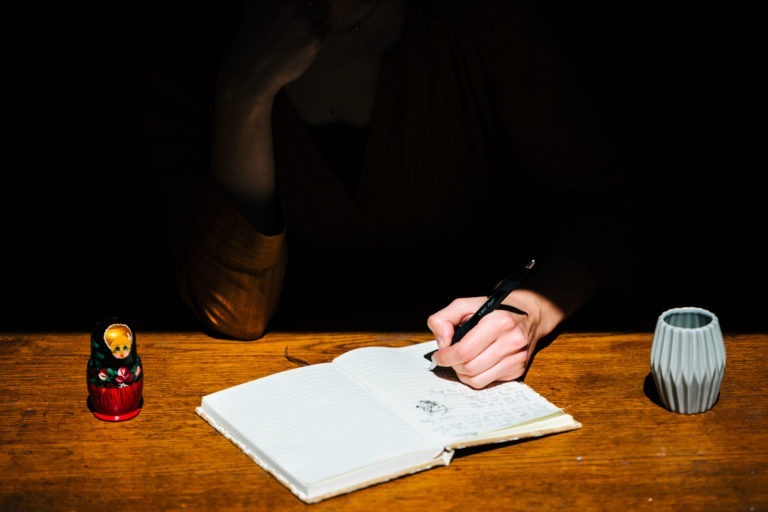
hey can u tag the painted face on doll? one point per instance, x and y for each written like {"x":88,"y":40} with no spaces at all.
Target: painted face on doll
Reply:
{"x":119,"y":339}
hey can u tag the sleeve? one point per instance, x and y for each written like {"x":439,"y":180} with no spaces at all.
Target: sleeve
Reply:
{"x":588,"y":196}
{"x":228,"y":273}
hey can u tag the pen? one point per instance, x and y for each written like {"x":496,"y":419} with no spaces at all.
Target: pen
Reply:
{"x":500,"y":292}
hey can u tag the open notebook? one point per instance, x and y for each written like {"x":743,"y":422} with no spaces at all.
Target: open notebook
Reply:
{"x":371,"y":415}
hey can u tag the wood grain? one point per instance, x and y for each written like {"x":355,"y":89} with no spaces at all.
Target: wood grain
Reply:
{"x":630,"y":454}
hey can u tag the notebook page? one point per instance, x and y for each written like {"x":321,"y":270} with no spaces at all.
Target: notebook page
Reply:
{"x":448,"y":409}
{"x":315,"y":423}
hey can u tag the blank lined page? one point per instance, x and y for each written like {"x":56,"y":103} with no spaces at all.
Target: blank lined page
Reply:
{"x":315,"y":422}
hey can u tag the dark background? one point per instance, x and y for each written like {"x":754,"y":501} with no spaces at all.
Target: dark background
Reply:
{"x":83,"y":232}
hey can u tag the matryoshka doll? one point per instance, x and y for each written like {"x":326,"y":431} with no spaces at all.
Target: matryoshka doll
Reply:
{"x":115,"y":376}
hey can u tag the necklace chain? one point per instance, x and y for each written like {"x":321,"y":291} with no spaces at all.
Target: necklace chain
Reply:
{"x":355,"y":27}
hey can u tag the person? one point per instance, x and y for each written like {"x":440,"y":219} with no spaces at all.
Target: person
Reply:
{"x":384,"y":159}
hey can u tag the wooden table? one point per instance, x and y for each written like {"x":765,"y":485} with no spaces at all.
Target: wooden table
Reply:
{"x":630,"y":454}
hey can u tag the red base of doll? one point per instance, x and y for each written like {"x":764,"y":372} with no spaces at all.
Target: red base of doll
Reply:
{"x":115,"y":404}
{"x":119,"y":417}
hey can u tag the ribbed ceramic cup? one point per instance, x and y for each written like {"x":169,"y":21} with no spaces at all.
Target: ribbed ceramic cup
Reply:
{"x":688,"y":359}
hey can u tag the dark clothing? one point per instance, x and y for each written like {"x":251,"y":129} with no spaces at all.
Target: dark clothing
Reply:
{"x":481,"y":152}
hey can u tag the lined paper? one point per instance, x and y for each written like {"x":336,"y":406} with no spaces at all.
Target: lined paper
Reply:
{"x":316,"y":423}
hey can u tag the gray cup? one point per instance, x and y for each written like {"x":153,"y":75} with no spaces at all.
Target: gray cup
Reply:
{"x":688,"y":359}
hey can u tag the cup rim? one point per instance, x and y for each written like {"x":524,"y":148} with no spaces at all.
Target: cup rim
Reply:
{"x":685,"y":310}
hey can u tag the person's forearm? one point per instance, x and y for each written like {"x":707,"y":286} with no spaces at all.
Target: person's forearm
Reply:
{"x":555,"y":290}
{"x":243,"y":158}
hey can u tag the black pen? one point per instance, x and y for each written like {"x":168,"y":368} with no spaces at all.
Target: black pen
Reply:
{"x":501,"y":291}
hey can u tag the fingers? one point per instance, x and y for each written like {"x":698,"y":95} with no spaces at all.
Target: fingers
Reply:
{"x":443,"y":322}
{"x":498,"y":327}
{"x":496,"y":349}
{"x":498,"y":368}
{"x":275,"y":44}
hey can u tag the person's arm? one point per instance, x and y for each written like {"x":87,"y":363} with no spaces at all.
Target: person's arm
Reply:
{"x":593,"y":211}
{"x":228,"y":238}
{"x":275,"y":44}
{"x":500,"y":346}
{"x":586,"y":214}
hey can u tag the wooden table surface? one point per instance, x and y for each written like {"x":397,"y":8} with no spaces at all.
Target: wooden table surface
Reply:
{"x":630,"y":454}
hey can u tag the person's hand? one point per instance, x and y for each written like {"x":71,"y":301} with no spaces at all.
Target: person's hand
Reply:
{"x":275,"y":44}
{"x":500,"y":346}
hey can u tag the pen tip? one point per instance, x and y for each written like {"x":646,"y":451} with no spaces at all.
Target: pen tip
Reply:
{"x":430,"y":356}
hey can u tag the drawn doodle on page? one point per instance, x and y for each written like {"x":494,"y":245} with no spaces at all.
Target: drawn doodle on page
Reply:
{"x":431,"y":407}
